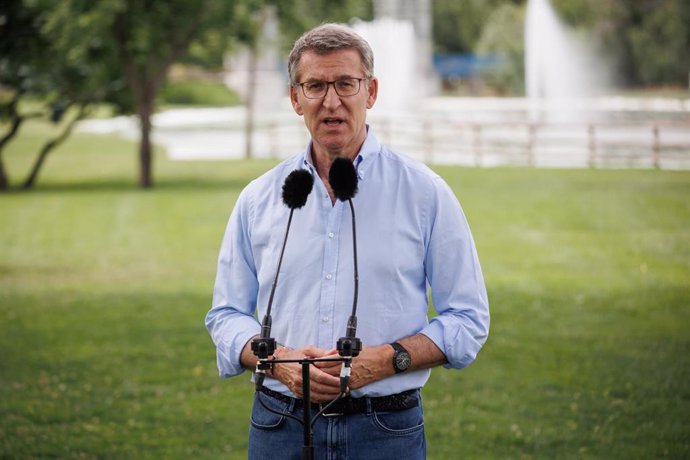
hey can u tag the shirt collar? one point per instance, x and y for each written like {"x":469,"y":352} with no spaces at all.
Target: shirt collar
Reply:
{"x":367,"y":153}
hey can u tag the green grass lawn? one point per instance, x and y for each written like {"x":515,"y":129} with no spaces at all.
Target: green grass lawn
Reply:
{"x":104,"y":287}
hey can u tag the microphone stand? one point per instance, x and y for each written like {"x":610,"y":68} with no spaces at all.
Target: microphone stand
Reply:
{"x":265,"y":345}
{"x":307,"y":420}
{"x":296,"y":189}
{"x":348,"y":347}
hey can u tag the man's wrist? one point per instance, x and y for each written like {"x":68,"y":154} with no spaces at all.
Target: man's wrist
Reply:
{"x":402,"y":360}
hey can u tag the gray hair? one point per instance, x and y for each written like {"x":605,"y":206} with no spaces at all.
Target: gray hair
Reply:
{"x":325,"y":39}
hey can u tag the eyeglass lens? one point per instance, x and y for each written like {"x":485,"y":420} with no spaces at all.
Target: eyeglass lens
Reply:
{"x":343,"y":87}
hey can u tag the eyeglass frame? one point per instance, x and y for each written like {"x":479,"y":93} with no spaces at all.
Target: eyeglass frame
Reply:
{"x":333,"y":82}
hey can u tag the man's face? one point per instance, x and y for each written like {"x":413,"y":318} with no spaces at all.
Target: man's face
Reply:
{"x":336,"y":123}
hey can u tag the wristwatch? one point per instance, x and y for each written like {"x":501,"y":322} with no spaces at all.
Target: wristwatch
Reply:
{"x":401,"y":358}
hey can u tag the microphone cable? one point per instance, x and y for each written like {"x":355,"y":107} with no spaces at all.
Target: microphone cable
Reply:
{"x":296,"y":189}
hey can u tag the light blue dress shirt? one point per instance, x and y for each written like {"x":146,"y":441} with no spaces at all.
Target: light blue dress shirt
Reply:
{"x":411,"y":235}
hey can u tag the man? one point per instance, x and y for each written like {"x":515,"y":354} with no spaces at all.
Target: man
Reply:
{"x":411,"y":233}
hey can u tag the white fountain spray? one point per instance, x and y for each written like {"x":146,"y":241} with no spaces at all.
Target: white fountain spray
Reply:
{"x":561,"y":73}
{"x":395,"y":64}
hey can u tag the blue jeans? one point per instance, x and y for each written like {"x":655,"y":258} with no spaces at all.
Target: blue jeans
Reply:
{"x":367,"y":436}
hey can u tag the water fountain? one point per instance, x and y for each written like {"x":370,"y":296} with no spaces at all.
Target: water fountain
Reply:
{"x":395,"y":67}
{"x":562,"y":74}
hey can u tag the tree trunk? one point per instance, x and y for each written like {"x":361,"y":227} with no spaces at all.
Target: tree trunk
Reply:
{"x":145,"y":147}
{"x":50,"y":146}
{"x":146,"y":77}
{"x":251,"y":106}
{"x":4,"y":179}
{"x":17,"y":121}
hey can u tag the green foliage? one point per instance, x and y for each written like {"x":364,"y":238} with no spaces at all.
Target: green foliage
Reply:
{"x":208,"y":51}
{"x":579,"y":13}
{"x":103,"y":290}
{"x":661,"y":41}
{"x":46,"y":54}
{"x":295,"y":16}
{"x":82,"y":64}
{"x":458,"y":24}
{"x":198,"y":93}
{"x":23,"y":50}
{"x":300,"y":15}
{"x":648,"y":40}
{"x":503,"y":35}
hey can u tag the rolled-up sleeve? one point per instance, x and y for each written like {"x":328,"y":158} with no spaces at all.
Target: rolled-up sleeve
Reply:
{"x":457,"y":285}
{"x":230,"y":321}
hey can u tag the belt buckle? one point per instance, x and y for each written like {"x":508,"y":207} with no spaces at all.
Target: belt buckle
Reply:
{"x":329,"y":414}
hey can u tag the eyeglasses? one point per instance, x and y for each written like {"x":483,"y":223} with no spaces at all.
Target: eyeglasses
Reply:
{"x":344,"y":87}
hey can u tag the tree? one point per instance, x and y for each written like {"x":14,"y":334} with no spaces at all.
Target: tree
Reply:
{"x":297,"y":16}
{"x":39,"y":59}
{"x":648,"y":40}
{"x":458,"y":23}
{"x":658,"y":34}
{"x":503,"y":35}
{"x":22,"y":66}
{"x":119,"y":51}
{"x":131,"y":44}
{"x":149,"y":35}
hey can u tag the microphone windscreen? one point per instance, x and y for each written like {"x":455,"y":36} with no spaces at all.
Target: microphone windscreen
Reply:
{"x":343,"y":178}
{"x":296,"y":188}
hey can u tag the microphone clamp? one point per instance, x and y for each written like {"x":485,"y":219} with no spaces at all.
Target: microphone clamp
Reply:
{"x":263,"y":348}
{"x":264,"y":345}
{"x":349,"y":347}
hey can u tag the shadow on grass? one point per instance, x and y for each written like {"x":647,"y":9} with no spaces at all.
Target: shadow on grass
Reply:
{"x":127,"y":185}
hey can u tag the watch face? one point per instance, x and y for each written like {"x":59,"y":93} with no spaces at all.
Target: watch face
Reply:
{"x":402,"y":361}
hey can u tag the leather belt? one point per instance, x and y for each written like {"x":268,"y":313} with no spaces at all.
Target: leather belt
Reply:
{"x":349,"y":406}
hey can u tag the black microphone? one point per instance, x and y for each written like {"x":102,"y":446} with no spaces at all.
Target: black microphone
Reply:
{"x":296,"y":189}
{"x":343,"y":179}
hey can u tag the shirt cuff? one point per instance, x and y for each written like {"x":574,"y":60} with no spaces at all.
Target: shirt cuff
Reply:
{"x":434,"y":331}
{"x":458,"y":346}
{"x":228,"y":352}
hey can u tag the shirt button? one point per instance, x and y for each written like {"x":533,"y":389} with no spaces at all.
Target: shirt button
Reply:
{"x":324,"y":319}
{"x":329,"y":276}
{"x":331,"y":235}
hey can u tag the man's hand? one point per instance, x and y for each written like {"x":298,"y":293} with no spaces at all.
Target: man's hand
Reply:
{"x":324,"y":385}
{"x":372,"y":364}
{"x":376,"y":363}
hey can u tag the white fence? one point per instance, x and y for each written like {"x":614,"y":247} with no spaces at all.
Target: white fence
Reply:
{"x":661,"y":144}
{"x":626,"y":133}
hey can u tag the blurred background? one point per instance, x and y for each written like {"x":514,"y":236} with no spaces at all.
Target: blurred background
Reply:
{"x":129,"y":127}
{"x":561,"y":83}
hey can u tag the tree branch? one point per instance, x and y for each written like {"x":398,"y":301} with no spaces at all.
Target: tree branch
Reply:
{"x":15,"y":124}
{"x":50,"y":145}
